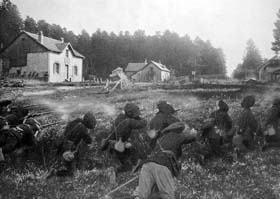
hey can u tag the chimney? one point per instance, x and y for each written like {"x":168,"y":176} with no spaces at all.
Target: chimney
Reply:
{"x":145,"y":61}
{"x":1,"y":46}
{"x":62,"y":40}
{"x":41,"y":37}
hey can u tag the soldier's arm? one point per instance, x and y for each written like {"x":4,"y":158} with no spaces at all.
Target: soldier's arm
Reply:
{"x":86,"y":137}
{"x":228,"y":122}
{"x":172,"y":119}
{"x":272,"y":118}
{"x":83,"y":131}
{"x":137,"y":123}
{"x":188,"y":137}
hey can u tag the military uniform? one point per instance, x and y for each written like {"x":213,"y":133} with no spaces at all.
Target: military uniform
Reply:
{"x":223,"y":122}
{"x":74,"y":143}
{"x":123,"y":131}
{"x":19,"y":111}
{"x":272,"y":133}
{"x":216,"y":134}
{"x":163,"y":164}
{"x":17,"y":137}
{"x":4,"y":106}
{"x":247,"y":126}
{"x":163,"y":118}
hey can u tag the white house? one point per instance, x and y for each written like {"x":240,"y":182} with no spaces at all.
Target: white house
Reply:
{"x":37,"y":56}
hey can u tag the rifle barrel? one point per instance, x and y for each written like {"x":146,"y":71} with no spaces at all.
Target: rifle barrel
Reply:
{"x":51,"y":124}
{"x":40,"y":114}
{"x":31,"y":105}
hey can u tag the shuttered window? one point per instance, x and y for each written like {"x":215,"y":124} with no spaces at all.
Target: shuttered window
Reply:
{"x":56,"y":68}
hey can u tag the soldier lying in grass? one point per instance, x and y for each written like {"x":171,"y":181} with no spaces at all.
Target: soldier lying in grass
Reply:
{"x":16,"y":140}
{"x":158,"y":171}
{"x":4,"y":107}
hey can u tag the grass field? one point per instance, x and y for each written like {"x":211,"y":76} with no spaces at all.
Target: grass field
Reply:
{"x":254,"y":176}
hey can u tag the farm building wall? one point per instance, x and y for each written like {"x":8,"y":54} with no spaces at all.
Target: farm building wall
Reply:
{"x":63,"y":68}
{"x":18,"y":50}
{"x":269,"y":74}
{"x":37,"y":65}
{"x":165,"y":76}
{"x":151,"y":73}
{"x":1,"y":67}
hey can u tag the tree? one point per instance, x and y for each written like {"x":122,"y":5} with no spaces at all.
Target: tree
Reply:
{"x":251,"y":61}
{"x":276,"y":34}
{"x":238,"y":72}
{"x":10,"y":22}
{"x":30,"y":25}
{"x":45,"y":27}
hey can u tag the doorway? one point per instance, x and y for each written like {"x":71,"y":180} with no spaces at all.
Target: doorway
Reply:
{"x":67,"y":71}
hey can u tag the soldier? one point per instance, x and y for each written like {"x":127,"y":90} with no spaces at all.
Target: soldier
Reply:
{"x":223,"y":122}
{"x":163,"y":118}
{"x":12,"y":120}
{"x":19,"y":138}
{"x":163,"y":165}
{"x":247,"y":126}
{"x":19,"y":111}
{"x":272,"y":133}
{"x":4,"y":107}
{"x":74,"y":146}
{"x":212,"y":140}
{"x":122,"y":142}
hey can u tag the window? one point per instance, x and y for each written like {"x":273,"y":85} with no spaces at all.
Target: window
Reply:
{"x":56,"y":68}
{"x":75,"y":70}
{"x":67,"y":53}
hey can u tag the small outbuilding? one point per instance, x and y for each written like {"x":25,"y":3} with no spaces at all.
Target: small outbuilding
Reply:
{"x":147,"y":72}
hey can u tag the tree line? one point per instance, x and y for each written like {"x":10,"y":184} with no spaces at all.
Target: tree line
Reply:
{"x":252,"y":59}
{"x":106,"y":51}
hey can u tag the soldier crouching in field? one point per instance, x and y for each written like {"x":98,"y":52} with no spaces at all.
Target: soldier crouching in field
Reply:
{"x":272,"y":133}
{"x":73,"y":147}
{"x":215,"y":135}
{"x":223,"y":122}
{"x":163,"y":118}
{"x":158,"y":171}
{"x":126,"y":147}
{"x":247,"y":126}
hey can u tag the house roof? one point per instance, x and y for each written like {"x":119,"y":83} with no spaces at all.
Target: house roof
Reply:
{"x":134,"y":67}
{"x":160,"y":66}
{"x":268,"y":62}
{"x":50,"y":44}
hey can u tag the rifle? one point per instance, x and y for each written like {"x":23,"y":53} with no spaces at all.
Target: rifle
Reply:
{"x":39,"y":114}
{"x":48,"y":125}
{"x":32,"y":105}
{"x":105,"y":142}
{"x":52,"y":124}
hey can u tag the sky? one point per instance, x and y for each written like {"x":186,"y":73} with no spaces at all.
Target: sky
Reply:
{"x":227,"y":24}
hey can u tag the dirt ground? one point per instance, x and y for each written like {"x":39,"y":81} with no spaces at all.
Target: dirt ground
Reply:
{"x":254,"y":176}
